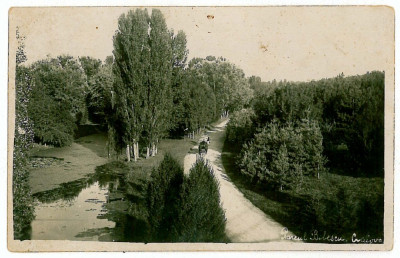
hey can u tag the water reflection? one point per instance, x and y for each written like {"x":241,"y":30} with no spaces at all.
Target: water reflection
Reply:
{"x":66,"y":219}
{"x":66,"y":191}
{"x":93,"y":208}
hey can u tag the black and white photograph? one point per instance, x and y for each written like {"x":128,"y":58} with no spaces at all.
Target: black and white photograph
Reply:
{"x":200,"y":128}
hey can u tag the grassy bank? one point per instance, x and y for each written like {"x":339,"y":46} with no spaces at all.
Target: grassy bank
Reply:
{"x":333,"y":205}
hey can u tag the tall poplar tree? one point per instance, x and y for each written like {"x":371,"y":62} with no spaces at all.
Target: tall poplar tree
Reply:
{"x":159,"y":94}
{"x":131,"y":53}
{"x":142,"y":84}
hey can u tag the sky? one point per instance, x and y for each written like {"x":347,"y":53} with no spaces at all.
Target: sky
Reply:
{"x":292,"y":43}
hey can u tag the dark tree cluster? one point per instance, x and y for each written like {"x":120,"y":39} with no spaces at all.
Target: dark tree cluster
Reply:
{"x":66,"y":93}
{"x":347,"y":113}
{"x":57,"y":99}
{"x":280,"y":155}
{"x":184,"y":208}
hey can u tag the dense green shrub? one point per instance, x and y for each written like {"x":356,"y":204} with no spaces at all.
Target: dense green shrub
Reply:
{"x":240,"y":128}
{"x":162,"y":199}
{"x":57,"y":99}
{"x":23,"y":210}
{"x":53,"y":124}
{"x":184,"y":209}
{"x":351,"y":205}
{"x":281,"y":155}
{"x":354,"y":107}
{"x":201,"y":218}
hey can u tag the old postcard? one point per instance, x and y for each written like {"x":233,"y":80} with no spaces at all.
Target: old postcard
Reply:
{"x":201,"y":128}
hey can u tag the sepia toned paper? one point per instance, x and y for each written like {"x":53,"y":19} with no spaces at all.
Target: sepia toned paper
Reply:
{"x":310,"y":42}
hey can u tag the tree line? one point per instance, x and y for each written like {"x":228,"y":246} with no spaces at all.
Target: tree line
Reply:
{"x":335,"y":123}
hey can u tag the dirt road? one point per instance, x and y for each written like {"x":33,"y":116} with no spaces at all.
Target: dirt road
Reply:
{"x":245,"y":222}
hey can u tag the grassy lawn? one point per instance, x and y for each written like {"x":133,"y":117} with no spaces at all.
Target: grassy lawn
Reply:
{"x":64,"y":164}
{"x":178,"y":148}
{"x":96,"y":143}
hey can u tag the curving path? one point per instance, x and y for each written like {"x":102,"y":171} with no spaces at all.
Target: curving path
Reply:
{"x":245,"y":222}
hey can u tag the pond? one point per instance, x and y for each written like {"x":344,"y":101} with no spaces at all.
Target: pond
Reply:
{"x":94,"y":208}
{"x":79,"y":218}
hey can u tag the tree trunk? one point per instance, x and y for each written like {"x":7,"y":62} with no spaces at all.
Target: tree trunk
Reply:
{"x":127,"y":153}
{"x":136,"y":151}
{"x":132,"y":153}
{"x":147,"y":152}
{"x":153,"y":151}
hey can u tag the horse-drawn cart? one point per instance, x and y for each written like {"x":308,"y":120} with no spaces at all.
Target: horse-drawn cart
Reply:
{"x":203,"y":148}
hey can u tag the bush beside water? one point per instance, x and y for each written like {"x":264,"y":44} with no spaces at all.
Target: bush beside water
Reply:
{"x":163,"y":198}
